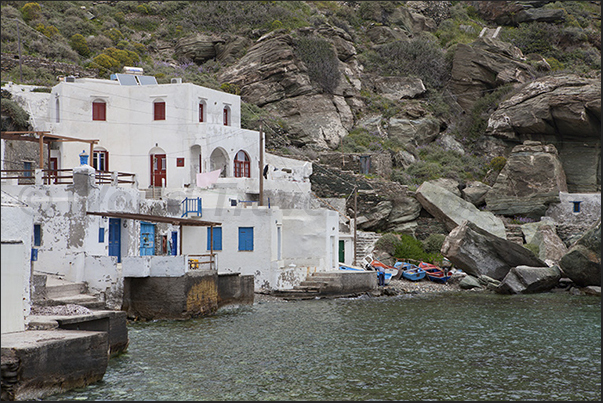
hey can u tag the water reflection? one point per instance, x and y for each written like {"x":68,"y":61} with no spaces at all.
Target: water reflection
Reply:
{"x":466,"y":346}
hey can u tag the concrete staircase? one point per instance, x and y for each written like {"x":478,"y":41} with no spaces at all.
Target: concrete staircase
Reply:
{"x":58,"y":291}
{"x":310,"y":288}
{"x":365,"y":243}
{"x":514,"y":233}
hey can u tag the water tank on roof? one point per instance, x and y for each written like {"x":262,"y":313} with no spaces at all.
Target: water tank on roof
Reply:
{"x":133,"y":70}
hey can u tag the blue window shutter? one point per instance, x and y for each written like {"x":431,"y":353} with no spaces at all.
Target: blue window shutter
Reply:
{"x":37,"y":235}
{"x":217,"y":238}
{"x":34,"y":254}
{"x":101,"y":235}
{"x":245,"y":238}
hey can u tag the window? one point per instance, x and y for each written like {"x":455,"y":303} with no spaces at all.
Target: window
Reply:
{"x":241,"y":165}
{"x":245,"y":238}
{"x":226,"y":117}
{"x":58,"y":111}
{"x":576,"y":208}
{"x":100,"y":160}
{"x":101,"y":235}
{"x":179,"y":162}
{"x":159,"y":110}
{"x":37,"y":235}
{"x":99,"y":110}
{"x":201,"y":115}
{"x":27,"y":168}
{"x":217,"y":238}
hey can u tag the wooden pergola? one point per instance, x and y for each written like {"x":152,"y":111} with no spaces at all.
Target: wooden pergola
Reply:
{"x":44,"y":137}
{"x":179,"y":221}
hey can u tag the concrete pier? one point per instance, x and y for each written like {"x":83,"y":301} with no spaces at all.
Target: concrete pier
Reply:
{"x":39,"y":363}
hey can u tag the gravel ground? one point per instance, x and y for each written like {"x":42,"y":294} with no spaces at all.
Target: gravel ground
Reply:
{"x":395,"y":287}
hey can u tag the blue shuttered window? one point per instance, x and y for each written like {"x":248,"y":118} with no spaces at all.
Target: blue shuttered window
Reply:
{"x":217,"y":238}
{"x":101,"y":235}
{"x":245,"y":238}
{"x":37,"y":235}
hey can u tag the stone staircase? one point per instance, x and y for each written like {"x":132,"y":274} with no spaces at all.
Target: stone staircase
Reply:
{"x":310,"y":288}
{"x":514,"y":233}
{"x":58,"y":291}
{"x":365,"y":243}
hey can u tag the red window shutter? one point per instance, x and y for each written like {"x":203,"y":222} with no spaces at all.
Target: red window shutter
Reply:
{"x":225,"y":117}
{"x":159,"y":111}
{"x":99,"y":111}
{"x":200,"y":112}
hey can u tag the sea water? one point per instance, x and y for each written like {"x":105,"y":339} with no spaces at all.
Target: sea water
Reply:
{"x":452,"y":346}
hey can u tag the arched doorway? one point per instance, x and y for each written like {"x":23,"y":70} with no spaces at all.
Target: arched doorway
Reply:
{"x":219,"y":160}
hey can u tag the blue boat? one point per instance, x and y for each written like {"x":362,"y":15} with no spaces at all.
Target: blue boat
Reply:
{"x":410,"y":271}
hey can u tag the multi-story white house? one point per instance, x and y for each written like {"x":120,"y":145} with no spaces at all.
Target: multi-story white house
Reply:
{"x":166,"y":133}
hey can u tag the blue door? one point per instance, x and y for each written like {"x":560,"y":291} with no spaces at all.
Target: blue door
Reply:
{"x":174,"y":243}
{"x":147,"y":239}
{"x":115,"y":238}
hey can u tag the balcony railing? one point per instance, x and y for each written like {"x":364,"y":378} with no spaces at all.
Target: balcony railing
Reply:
{"x":64,"y":177}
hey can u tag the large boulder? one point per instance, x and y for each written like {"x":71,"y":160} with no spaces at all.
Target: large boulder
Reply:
{"x":485,"y":64}
{"x":475,"y":192}
{"x":478,"y":252}
{"x":566,"y":111}
{"x":582,"y":263}
{"x":396,"y":88}
{"x":550,"y":246}
{"x":528,"y":280}
{"x":531,"y":180}
{"x":413,"y":132}
{"x":516,"y":12}
{"x":452,"y":210}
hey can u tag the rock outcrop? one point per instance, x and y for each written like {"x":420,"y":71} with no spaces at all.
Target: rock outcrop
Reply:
{"x":478,"y":252}
{"x":531,"y":180}
{"x":485,"y":64}
{"x":550,"y":246}
{"x":516,"y":12}
{"x":529,"y":280}
{"x":582,"y":263}
{"x":563,"y":110}
{"x":452,"y":210}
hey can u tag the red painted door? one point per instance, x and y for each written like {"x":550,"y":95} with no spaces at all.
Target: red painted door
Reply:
{"x":158,"y":170}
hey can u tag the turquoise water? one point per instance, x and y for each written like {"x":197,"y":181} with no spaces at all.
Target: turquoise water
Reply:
{"x":457,"y":346}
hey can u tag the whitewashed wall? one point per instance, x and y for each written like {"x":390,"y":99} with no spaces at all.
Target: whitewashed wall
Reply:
{"x":17,"y":236}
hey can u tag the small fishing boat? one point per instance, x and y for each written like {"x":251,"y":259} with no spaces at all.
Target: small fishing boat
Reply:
{"x":388,"y":275}
{"x":434,"y":273}
{"x":410,"y":271}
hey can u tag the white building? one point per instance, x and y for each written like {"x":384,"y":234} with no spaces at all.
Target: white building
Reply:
{"x":167,"y":135}
{"x":17,"y":238}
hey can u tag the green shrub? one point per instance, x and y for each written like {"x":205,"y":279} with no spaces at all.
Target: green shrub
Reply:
{"x":411,"y":248}
{"x":321,"y":60}
{"x":420,"y":57}
{"x":124,"y":57}
{"x":106,"y":63}
{"x":230,"y":88}
{"x":388,"y":243}
{"x":114,"y":34}
{"x":80,"y":45}
{"x":31,"y":11}
{"x":497,"y":163}
{"x":433,"y":243}
{"x":18,"y":116}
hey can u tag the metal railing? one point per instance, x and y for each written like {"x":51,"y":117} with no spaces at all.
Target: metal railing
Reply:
{"x":192,"y":205}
